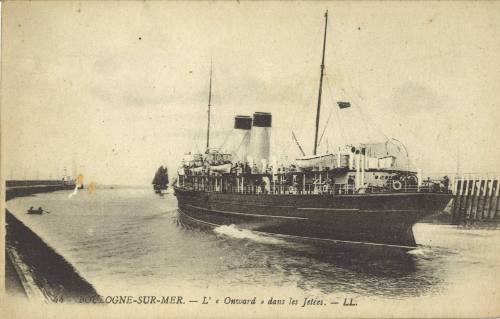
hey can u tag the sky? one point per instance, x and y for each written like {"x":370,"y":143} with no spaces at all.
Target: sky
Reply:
{"x":113,"y":90}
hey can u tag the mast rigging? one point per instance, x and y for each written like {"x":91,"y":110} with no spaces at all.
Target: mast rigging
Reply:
{"x":208,"y":112}
{"x":298,"y":144}
{"x":320,"y":86}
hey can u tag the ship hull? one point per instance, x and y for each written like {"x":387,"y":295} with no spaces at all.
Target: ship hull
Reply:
{"x":378,"y":219}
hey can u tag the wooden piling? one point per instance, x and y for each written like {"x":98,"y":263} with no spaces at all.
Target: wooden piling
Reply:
{"x":457,"y":200}
{"x":488,"y":209}
{"x":483,"y":199}
{"x":469,"y":194}
{"x":473,"y":201}
{"x":476,"y":199}
{"x":495,"y":199}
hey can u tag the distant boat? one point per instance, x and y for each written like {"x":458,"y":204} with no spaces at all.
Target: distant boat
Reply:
{"x":38,"y":211}
{"x":70,"y":182}
{"x":160,"y":180}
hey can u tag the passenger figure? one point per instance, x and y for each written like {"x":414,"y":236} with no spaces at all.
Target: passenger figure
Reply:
{"x":350,"y":181}
{"x":446,"y":183}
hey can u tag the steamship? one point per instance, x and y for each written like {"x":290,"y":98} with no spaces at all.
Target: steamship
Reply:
{"x":358,"y":194}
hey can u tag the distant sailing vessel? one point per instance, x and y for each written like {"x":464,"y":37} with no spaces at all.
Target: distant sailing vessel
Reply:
{"x":70,"y":182}
{"x":160,"y":180}
{"x":357,"y":194}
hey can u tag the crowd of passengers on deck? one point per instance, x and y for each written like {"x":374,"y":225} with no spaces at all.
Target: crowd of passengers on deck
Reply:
{"x":292,"y":184}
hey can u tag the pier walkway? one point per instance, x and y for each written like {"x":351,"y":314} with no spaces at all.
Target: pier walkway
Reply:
{"x":32,"y":268}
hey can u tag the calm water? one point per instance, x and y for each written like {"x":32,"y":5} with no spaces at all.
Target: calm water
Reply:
{"x":130,"y":241}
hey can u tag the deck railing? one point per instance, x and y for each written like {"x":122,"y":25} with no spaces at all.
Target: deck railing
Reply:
{"x":316,"y":189}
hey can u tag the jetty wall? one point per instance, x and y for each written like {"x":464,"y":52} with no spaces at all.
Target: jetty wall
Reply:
{"x":18,"y":188}
{"x":476,"y":200}
{"x":41,"y":271}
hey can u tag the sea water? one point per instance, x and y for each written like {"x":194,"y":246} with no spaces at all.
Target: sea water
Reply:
{"x":129,"y":240}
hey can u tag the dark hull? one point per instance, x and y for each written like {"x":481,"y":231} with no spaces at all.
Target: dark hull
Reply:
{"x":34,"y":212}
{"x":380,"y":219}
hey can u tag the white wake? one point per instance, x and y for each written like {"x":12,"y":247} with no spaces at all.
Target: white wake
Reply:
{"x":235,"y":232}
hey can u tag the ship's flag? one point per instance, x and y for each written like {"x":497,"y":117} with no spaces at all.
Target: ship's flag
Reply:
{"x":344,"y":105}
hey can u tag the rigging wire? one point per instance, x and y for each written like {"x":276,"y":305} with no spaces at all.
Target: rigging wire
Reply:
{"x":235,"y":152}
{"x":307,"y":94}
{"x":330,"y":145}
{"x":372,"y":124}
{"x":357,"y":102}
{"x":196,"y":145}
{"x":301,"y":110}
{"x":298,"y":144}
{"x":368,"y":121}
{"x":225,"y":140}
{"x":217,"y":98}
{"x":339,"y":121}
{"x":214,"y":101}
{"x":326,"y":125}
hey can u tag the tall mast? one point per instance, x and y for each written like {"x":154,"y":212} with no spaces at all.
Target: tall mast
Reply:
{"x":320,"y":86}
{"x":209,"y":104}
